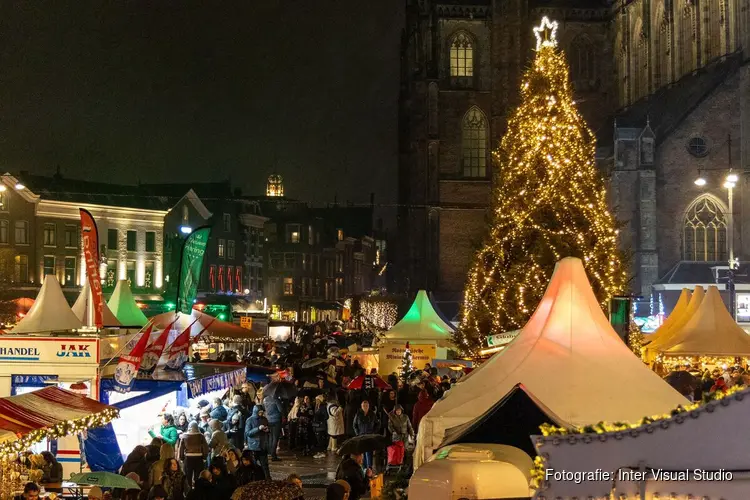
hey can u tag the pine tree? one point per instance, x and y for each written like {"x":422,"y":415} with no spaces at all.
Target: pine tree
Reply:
{"x":549,"y":202}
{"x":406,"y":362}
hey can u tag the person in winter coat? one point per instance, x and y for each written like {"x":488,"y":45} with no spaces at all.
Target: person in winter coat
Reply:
{"x":204,"y":418}
{"x":399,"y":425}
{"x":389,"y":401}
{"x":235,"y":430}
{"x":366,"y":422}
{"x":320,"y":425}
{"x":292,"y":418}
{"x":350,"y":411}
{"x":305,"y":416}
{"x":424,"y":404}
{"x":238,"y":406}
{"x":335,"y":423}
{"x":167,"y":431}
{"x":182,"y":423}
{"x":52,"y":470}
{"x":204,"y":488}
{"x":219,"y":411}
{"x":248,"y":470}
{"x":256,"y":436}
{"x":166,"y":453}
{"x":174,"y":481}
{"x":192,"y":450}
{"x":223,"y":482}
{"x":136,"y":463}
{"x":154,"y":449}
{"x":219,"y":442}
{"x":350,"y":470}
{"x":273,"y":414}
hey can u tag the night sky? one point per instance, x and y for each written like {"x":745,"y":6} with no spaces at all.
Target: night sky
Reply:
{"x":166,"y":91}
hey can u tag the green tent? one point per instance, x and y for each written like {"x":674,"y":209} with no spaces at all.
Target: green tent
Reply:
{"x":422,"y":325}
{"x":123,"y":305}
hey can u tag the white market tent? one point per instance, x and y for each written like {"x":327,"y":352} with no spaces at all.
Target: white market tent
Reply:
{"x":655,"y":346}
{"x":50,"y":312}
{"x":84,"y":309}
{"x":422,"y":325}
{"x":711,"y":331}
{"x":679,"y":309}
{"x":123,"y":305}
{"x":570,"y":362}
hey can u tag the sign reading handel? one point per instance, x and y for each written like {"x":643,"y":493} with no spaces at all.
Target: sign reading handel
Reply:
{"x":391,"y":355}
{"x":59,"y":350}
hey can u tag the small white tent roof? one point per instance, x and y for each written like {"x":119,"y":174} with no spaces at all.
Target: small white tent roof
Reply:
{"x":679,"y":309}
{"x":50,"y":312}
{"x":711,"y":331}
{"x":84,"y":308}
{"x":665,"y":339}
{"x":422,"y":323}
{"x":568,"y":358}
{"x":123,"y":305}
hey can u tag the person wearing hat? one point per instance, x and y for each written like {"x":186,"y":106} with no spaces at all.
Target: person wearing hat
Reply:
{"x":192,"y":450}
{"x":256,"y":436}
{"x":205,"y":418}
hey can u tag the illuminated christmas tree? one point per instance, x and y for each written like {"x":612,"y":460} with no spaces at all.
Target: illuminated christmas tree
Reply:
{"x":406,"y":362}
{"x":549,"y":202}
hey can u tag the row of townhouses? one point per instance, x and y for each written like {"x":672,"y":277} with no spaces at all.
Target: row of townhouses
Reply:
{"x":278,"y":254}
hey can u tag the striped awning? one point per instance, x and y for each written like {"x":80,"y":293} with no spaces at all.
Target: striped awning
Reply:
{"x":51,"y":413}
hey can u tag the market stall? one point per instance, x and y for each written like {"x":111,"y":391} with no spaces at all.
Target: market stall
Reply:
{"x":567,"y":366}
{"x":50,"y":312}
{"x":84,"y":309}
{"x":681,"y":318}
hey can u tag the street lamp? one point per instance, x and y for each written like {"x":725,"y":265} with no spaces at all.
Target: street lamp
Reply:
{"x":700,"y":181}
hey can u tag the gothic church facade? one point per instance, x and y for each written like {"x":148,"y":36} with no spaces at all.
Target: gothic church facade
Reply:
{"x":664,"y":85}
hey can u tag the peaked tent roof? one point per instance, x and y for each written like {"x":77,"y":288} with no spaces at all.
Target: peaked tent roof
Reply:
{"x":695,"y":301}
{"x":83,"y":308}
{"x":123,"y":305}
{"x":679,"y":308}
{"x":710,"y":332}
{"x":568,"y":358}
{"x":422,"y":323}
{"x":50,"y":312}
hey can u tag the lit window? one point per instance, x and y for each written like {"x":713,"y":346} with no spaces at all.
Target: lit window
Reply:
{"x":462,"y":55}
{"x":221,"y":278}
{"x":288,"y":286}
{"x":227,"y":219}
{"x":22,"y":268}
{"x":70,"y":270}
{"x":49,"y":265}
{"x":292,"y":233}
{"x":474,"y":143}
{"x":21,"y":236}
{"x":4,"y":231}
{"x":705,"y":232}
{"x":4,"y":201}
{"x":49,"y":235}
{"x":340,"y":234}
{"x":222,"y":245}
{"x":71,"y":236}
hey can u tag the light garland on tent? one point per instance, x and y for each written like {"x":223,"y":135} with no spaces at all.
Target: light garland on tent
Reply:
{"x":605,"y":427}
{"x":65,"y":428}
{"x":702,"y":362}
{"x":549,"y":202}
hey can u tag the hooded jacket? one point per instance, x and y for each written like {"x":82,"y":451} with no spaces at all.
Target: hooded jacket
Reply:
{"x":157,"y":468}
{"x":219,"y":443}
{"x":399,"y":425}
{"x":257,"y":440}
{"x":168,"y":433}
{"x":335,"y":419}
{"x":424,"y":405}
{"x":203,"y":490}
{"x":219,"y":413}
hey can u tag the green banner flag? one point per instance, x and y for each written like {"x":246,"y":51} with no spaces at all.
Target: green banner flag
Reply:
{"x":191,"y":264}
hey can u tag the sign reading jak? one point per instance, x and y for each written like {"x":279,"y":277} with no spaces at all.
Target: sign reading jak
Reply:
{"x":48,"y":351}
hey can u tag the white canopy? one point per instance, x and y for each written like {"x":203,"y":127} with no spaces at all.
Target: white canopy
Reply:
{"x":568,"y":358}
{"x":123,"y":305}
{"x":657,"y":345}
{"x":679,"y":309}
{"x":422,"y":324}
{"x":84,"y":308}
{"x":711,"y":331}
{"x":50,"y":312}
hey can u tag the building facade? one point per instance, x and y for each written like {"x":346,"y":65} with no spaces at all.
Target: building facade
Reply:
{"x":662,"y":83}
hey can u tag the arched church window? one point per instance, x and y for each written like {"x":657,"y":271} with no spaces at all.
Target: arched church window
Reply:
{"x":705,"y":231}
{"x":474,"y":143}
{"x":462,"y":55}
{"x":581,"y":60}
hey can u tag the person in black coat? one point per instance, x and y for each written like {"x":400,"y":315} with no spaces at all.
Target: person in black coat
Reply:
{"x":223,"y":482}
{"x":136,"y":462}
{"x":204,"y":489}
{"x":350,"y":470}
{"x":249,"y":470}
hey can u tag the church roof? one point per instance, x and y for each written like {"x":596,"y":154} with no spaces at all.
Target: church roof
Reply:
{"x":690,"y":272}
{"x":670,"y":105}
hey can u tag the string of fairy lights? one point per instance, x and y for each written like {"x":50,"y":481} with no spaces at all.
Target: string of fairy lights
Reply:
{"x":549,"y":203}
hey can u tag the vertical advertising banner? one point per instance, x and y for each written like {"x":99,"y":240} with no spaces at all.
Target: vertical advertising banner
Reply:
{"x":90,"y":235}
{"x":128,"y":367}
{"x":191,"y":264}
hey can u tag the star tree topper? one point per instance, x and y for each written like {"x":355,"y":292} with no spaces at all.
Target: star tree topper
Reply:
{"x":546,"y":33}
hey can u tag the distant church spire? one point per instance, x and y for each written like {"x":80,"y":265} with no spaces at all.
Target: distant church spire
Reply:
{"x":275,"y":186}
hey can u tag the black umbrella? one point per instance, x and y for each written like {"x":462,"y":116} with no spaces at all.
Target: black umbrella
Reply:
{"x":311,"y":363}
{"x":682,"y":381}
{"x":364,"y":443}
{"x":281,"y":390}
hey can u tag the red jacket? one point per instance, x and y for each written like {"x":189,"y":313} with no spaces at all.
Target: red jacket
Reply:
{"x":424,"y":404}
